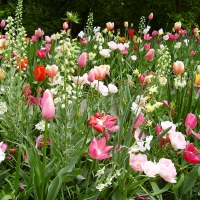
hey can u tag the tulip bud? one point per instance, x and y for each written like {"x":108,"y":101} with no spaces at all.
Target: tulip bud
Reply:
{"x":2,"y":24}
{"x":65,"y":26}
{"x":125,"y":24}
{"x":150,"y":16}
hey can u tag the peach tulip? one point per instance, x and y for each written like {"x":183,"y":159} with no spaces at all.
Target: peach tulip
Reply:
{"x":177,"y":26}
{"x":110,"y":26}
{"x":51,"y":70}
{"x":150,"y":54}
{"x":178,"y":67}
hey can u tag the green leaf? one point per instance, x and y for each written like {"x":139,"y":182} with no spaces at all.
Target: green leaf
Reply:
{"x":54,"y":188}
{"x":7,"y":197}
{"x":160,"y":191}
{"x":190,"y":180}
{"x":179,"y":183}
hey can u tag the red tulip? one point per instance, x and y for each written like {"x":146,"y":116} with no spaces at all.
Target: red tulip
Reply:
{"x":39,"y":73}
{"x":131,"y":32}
{"x":98,"y":149}
{"x":190,"y":154}
{"x":150,"y":54}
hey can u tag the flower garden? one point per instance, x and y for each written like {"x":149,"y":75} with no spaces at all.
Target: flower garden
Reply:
{"x":110,"y":114}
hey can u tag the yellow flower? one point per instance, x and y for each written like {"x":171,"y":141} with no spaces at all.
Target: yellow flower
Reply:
{"x":197,"y":80}
{"x":122,"y":39}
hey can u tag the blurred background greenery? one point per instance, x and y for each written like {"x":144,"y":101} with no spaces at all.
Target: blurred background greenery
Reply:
{"x":49,"y":14}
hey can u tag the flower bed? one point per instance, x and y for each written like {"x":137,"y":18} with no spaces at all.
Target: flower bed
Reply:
{"x":107,"y":115}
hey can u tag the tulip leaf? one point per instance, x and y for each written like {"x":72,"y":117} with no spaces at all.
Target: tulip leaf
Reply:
{"x":179,"y":183}
{"x":160,"y":191}
{"x":190,"y":180}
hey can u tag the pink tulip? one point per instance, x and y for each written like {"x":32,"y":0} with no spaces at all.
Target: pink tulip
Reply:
{"x":136,"y":162}
{"x":150,"y":17}
{"x":51,"y":70}
{"x":140,"y":120}
{"x":65,"y":26}
{"x":191,"y":121}
{"x":147,"y":37}
{"x":38,"y":32}
{"x":47,"y":104}
{"x":190,"y":154}
{"x":147,"y":46}
{"x":3,"y":23}
{"x":150,"y":54}
{"x":154,"y":33}
{"x":33,"y":38}
{"x":3,"y":146}
{"x":82,"y":59}
{"x":98,"y":149}
{"x":41,"y":53}
{"x":192,"y":53}
{"x":48,"y":39}
{"x":110,"y":26}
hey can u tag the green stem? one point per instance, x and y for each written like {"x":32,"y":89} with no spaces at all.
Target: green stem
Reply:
{"x":44,"y":157}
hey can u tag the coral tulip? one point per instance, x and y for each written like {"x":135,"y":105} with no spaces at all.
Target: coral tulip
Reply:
{"x":110,"y":26}
{"x":22,"y":64}
{"x":178,"y":67}
{"x":150,"y":54}
{"x":98,"y":149}
{"x":39,"y":73}
{"x":190,"y":154}
{"x":82,"y":59}
{"x":48,"y":108}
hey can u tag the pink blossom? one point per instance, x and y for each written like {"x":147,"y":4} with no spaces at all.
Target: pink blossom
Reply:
{"x":38,"y":33}
{"x":151,"y":169}
{"x":150,"y":54}
{"x":3,"y":23}
{"x":47,"y":47}
{"x":51,"y":70}
{"x":136,"y":161}
{"x":191,"y":121}
{"x":191,"y":155}
{"x":165,"y":125}
{"x":48,"y":39}
{"x":137,"y":133}
{"x":3,"y":146}
{"x":65,"y":26}
{"x":167,"y":170}
{"x":83,"y":41}
{"x":183,"y":32}
{"x":140,"y":120}
{"x":105,"y":53}
{"x":154,"y":33}
{"x":110,"y":26}
{"x":112,"y":88}
{"x":97,"y":73}
{"x":192,"y":53}
{"x":147,"y":37}
{"x":165,"y":103}
{"x":147,"y":46}
{"x":81,"y":80}
{"x":120,"y":47}
{"x":98,"y":149}
{"x":177,"y":140}
{"x":33,"y":38}
{"x":47,"y":104}
{"x":102,"y":122}
{"x":41,"y":53}
{"x":82,"y":60}
{"x":124,"y":52}
{"x":150,"y":17}
{"x":112,"y":45}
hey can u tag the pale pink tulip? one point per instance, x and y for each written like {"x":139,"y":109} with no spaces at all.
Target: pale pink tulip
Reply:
{"x":98,"y":149}
{"x":147,"y":46}
{"x":112,"y":45}
{"x":150,"y":17}
{"x":38,"y":32}
{"x":177,"y":140}
{"x":33,"y":38}
{"x":147,"y":37}
{"x":165,"y":125}
{"x":136,"y":162}
{"x":82,"y":59}
{"x":167,"y":170}
{"x":150,"y":54}
{"x":65,"y":26}
{"x":110,"y":26}
{"x":151,"y":169}
{"x":48,"y":39}
{"x":51,"y":70}
{"x":47,"y":104}
{"x":105,"y":53}
{"x":137,"y":134}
